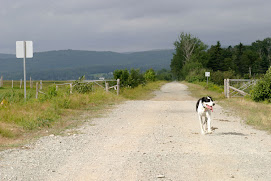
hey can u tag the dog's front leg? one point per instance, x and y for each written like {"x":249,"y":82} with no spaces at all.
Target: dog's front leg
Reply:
{"x":201,"y":125}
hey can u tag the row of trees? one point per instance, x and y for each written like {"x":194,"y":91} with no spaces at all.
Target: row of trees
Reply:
{"x":192,"y":58}
{"x":135,"y":77}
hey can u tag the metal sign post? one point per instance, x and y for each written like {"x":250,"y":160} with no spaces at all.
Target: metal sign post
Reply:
{"x":207,"y":74}
{"x":24,"y":49}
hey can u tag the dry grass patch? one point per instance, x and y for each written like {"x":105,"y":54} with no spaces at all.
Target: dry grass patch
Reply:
{"x":253,"y":113}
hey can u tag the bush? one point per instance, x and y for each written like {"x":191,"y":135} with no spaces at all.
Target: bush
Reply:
{"x":150,"y":75}
{"x":135,"y":78}
{"x":123,"y":75}
{"x":193,"y":72}
{"x":80,"y":87}
{"x":219,"y":76}
{"x":262,"y":90}
{"x":52,"y":91}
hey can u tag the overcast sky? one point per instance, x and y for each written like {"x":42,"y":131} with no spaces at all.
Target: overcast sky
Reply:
{"x":130,"y":25}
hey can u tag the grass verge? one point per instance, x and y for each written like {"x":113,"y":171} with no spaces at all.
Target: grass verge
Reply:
{"x":142,"y":92}
{"x":20,"y":122}
{"x":255,"y":114}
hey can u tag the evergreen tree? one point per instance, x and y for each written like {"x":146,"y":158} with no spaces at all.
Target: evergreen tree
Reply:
{"x":215,"y":57}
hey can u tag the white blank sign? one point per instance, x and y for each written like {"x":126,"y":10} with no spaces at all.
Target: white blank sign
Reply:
{"x":20,"y":49}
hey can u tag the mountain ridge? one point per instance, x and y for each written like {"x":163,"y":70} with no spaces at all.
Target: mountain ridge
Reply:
{"x":71,"y":64}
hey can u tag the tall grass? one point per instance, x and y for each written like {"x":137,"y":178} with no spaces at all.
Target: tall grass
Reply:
{"x":55,"y":107}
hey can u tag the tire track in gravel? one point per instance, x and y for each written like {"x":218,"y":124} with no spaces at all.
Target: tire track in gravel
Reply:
{"x":156,"y":139}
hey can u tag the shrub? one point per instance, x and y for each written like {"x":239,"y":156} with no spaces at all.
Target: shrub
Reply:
{"x":193,"y":71}
{"x":135,"y":78}
{"x":81,"y":87}
{"x":52,"y":91}
{"x":123,"y":75}
{"x":150,"y":75}
{"x":219,"y":76}
{"x":262,"y":90}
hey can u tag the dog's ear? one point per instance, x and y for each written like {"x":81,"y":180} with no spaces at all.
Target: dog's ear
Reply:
{"x":210,"y":98}
{"x":204,"y":99}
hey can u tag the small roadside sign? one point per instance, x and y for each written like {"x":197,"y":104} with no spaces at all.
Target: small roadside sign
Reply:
{"x":207,"y":74}
{"x":24,"y":47}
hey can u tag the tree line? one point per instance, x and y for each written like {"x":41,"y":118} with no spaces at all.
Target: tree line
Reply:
{"x":192,"y":58}
{"x":134,"y":77}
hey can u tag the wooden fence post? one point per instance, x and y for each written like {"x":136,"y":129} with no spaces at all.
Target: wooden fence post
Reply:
{"x":106,"y":86}
{"x":31,"y":83}
{"x":21,"y":82}
{"x":37,"y":90}
{"x":225,"y":87}
{"x":12,"y":84}
{"x":118,"y":86}
{"x":40,"y":84}
{"x":228,"y":88}
{"x":1,"y":81}
{"x":70,"y":88}
{"x":56,"y":87}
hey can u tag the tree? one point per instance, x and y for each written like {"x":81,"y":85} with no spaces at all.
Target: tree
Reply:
{"x":239,"y":49}
{"x":187,"y":48}
{"x":164,"y":74}
{"x":263,"y":48}
{"x":215,"y":59}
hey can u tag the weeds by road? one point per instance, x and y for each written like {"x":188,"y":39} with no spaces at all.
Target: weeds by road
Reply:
{"x":22,"y":121}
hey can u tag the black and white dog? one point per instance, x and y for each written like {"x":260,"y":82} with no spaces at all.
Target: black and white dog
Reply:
{"x":204,"y":107}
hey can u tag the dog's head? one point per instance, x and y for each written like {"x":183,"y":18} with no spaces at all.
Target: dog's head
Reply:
{"x":208,"y":102}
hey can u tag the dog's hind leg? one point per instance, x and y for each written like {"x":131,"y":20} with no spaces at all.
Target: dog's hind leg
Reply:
{"x":208,"y":116}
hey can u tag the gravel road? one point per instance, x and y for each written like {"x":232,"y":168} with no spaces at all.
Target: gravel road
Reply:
{"x":156,"y":139}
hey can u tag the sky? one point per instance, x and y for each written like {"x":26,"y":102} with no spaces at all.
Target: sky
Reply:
{"x":130,"y":25}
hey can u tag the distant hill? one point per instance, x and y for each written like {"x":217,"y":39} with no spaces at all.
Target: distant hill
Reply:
{"x":71,"y":64}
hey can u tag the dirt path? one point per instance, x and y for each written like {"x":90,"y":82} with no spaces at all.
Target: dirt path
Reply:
{"x":156,"y":139}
